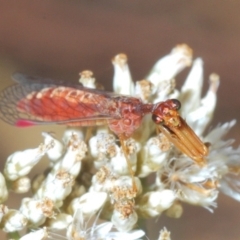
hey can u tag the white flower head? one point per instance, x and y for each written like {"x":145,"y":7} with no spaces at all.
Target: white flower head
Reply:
{"x":90,"y":190}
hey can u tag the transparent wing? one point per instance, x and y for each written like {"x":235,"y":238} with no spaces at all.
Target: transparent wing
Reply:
{"x":25,"y":79}
{"x":31,"y":102}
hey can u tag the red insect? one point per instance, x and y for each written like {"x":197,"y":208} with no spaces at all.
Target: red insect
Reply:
{"x":35,"y":101}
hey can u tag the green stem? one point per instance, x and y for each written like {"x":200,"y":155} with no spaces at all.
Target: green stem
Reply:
{"x":142,"y":225}
{"x":14,"y":235}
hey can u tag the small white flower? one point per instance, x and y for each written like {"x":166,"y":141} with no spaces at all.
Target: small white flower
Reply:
{"x":56,"y":187}
{"x":56,"y":151}
{"x":200,"y":118}
{"x":224,"y":160}
{"x":87,"y":79}
{"x":122,"y":80}
{"x":87,"y":203}
{"x":103,"y":147}
{"x":191,"y":183}
{"x":152,"y":204}
{"x":60,"y":221}
{"x":71,"y":160}
{"x":103,"y":180}
{"x":169,"y":66}
{"x":175,"y":211}
{"x":153,"y":154}
{"x":190,"y":94}
{"x":144,"y":89}
{"x":68,"y":134}
{"x":3,"y":189}
{"x":37,"y":211}
{"x":19,"y":164}
{"x":164,"y":234}
{"x":13,"y":221}
{"x":40,"y":234}
{"x":118,"y":162}
{"x":21,"y":185}
{"x":124,"y":183}
{"x":124,"y":224}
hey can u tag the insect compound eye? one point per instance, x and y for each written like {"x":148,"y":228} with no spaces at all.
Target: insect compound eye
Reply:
{"x":176,"y":104}
{"x":157,"y":119}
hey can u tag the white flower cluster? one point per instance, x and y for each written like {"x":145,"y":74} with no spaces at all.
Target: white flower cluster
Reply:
{"x":88,"y":190}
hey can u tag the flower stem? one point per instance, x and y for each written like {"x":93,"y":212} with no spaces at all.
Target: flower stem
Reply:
{"x":13,"y":235}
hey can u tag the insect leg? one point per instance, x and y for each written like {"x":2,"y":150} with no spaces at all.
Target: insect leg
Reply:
{"x":124,"y":148}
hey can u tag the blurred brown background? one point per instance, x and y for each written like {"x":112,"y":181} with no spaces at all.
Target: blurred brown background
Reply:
{"x":59,"y":38}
